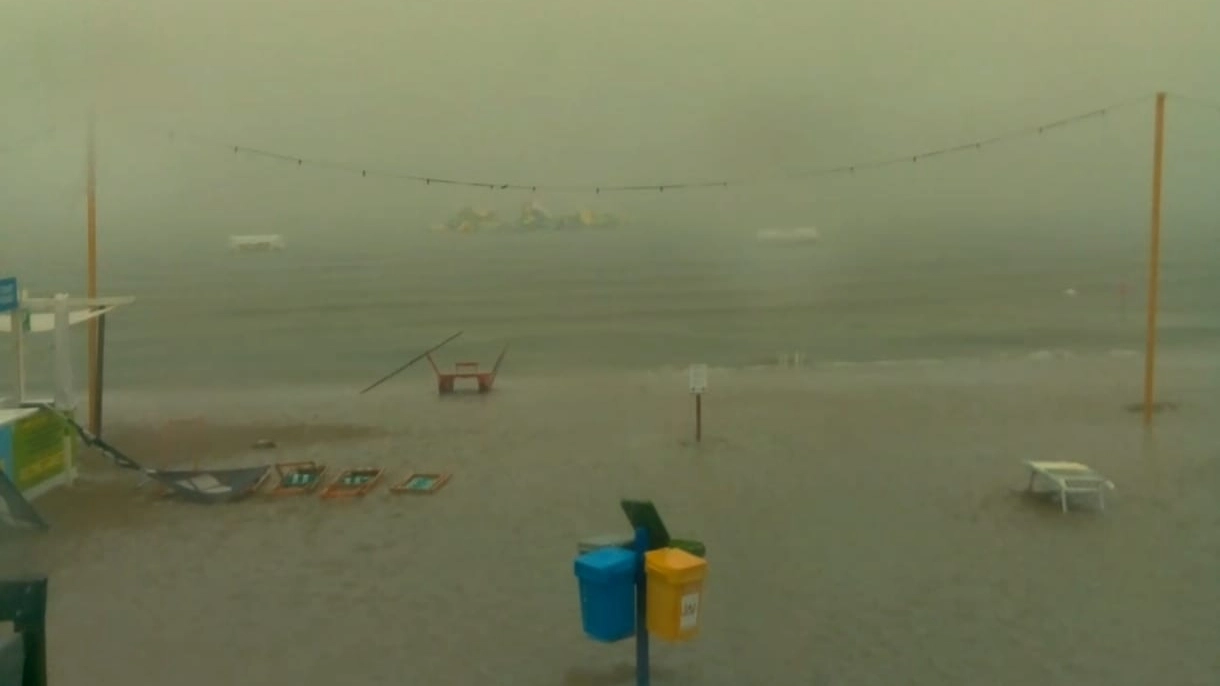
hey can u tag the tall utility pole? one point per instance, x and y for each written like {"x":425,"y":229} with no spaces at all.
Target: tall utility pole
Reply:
{"x":1154,"y":259}
{"x":95,"y":392}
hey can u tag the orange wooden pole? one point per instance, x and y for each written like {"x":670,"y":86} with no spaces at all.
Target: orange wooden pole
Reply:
{"x":95,"y":390}
{"x":1154,"y":259}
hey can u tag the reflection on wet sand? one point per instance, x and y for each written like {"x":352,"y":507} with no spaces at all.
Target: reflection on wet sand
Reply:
{"x":867,"y":525}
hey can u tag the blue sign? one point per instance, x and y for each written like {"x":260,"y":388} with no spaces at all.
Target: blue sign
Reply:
{"x":8,"y":294}
{"x":6,"y":450}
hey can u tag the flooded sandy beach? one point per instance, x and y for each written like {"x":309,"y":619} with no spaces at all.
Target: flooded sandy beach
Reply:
{"x":865,"y":525}
{"x":914,"y":247}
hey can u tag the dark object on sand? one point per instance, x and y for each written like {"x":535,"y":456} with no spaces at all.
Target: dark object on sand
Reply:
{"x":211,"y":486}
{"x":264,"y":444}
{"x":410,"y":362}
{"x":18,"y":513}
{"x":23,"y":656}
{"x":206,"y":486}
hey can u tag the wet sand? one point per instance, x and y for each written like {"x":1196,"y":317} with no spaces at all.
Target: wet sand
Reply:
{"x":183,"y":440}
{"x":864,"y":526}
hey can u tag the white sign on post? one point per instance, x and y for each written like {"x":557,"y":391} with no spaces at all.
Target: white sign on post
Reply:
{"x":698,"y":378}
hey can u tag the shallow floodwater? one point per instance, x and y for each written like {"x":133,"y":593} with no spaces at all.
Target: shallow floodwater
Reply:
{"x":864,"y":526}
{"x":863,"y":513}
{"x":346,"y":312}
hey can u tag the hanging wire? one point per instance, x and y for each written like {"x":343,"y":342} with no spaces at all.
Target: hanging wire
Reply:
{"x":300,"y":161}
{"x":1027,"y":132}
{"x":366,"y":172}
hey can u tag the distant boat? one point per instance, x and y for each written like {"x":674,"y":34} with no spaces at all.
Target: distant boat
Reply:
{"x":256,"y":243}
{"x":801,"y":235}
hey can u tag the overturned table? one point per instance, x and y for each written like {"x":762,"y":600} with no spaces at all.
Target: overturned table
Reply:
{"x":1069,"y":478}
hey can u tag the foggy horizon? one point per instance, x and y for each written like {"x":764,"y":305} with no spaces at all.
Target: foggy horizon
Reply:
{"x":554,"y":93}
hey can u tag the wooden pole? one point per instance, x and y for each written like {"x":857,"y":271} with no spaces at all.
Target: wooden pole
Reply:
{"x":95,"y":391}
{"x":1154,"y":259}
{"x":96,"y":408}
{"x":698,"y":417}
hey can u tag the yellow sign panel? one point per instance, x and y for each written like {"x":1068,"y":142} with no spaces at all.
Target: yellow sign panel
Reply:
{"x":38,"y":449}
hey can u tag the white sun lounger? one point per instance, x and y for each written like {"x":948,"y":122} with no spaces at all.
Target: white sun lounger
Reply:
{"x":1068,"y":478}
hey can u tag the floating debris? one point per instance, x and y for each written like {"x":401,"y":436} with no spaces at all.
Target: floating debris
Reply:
{"x":257,"y":243}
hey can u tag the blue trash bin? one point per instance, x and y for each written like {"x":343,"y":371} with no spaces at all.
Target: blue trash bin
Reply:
{"x":607,"y":593}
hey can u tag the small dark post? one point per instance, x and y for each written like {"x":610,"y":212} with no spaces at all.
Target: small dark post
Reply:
{"x":698,"y":417}
{"x":698,"y":384}
{"x":24,"y":603}
{"x":642,"y":668}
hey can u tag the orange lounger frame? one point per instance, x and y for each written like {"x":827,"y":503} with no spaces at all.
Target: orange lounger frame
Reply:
{"x":353,"y":483}
{"x":421,"y":483}
{"x":445,"y":381}
{"x":298,"y":478}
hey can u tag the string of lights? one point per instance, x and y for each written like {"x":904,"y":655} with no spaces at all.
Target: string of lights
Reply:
{"x":426,"y":179}
{"x":354,"y":169}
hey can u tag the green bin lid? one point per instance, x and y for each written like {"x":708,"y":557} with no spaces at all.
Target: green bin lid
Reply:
{"x":642,"y":513}
{"x":693,"y":547}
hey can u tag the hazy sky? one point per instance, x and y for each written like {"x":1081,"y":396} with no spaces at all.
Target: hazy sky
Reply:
{"x":596,"y":92}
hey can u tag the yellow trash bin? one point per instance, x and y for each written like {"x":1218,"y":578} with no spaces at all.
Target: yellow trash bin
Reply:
{"x":675,"y":589}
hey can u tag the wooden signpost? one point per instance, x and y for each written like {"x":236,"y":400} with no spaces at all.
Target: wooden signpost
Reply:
{"x":698,"y":384}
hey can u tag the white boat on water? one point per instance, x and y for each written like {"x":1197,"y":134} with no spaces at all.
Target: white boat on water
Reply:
{"x":799,"y":235}
{"x":256,"y":243}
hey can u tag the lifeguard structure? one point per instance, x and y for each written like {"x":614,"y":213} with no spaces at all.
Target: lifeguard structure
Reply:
{"x":36,"y":452}
{"x":485,"y":379}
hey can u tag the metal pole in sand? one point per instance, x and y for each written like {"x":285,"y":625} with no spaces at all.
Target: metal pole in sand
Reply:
{"x":1154,"y":259}
{"x":643,"y":670}
{"x":698,"y":417}
{"x":698,"y":384}
{"x":95,"y":390}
